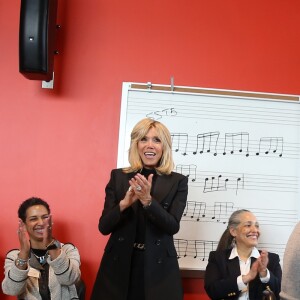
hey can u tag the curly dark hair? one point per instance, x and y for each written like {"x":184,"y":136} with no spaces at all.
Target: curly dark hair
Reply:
{"x":28,"y":203}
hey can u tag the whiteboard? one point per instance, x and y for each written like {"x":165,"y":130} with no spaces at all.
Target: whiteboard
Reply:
{"x":239,"y":149}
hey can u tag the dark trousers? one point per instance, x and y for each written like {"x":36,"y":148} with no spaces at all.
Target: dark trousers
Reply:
{"x":136,"y":289}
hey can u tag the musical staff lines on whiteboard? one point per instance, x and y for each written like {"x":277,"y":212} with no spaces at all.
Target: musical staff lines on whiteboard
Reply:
{"x":180,"y":142}
{"x":269,"y":144}
{"x":200,"y":249}
{"x":220,"y":212}
{"x":209,"y":181}
{"x":207,"y":142}
{"x":190,"y":108}
{"x":215,"y":184}
{"x":198,"y":211}
{"x":237,"y":143}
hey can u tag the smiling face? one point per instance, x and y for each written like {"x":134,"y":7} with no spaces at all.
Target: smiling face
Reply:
{"x":150,"y":149}
{"x":36,"y":222}
{"x":247,"y":231}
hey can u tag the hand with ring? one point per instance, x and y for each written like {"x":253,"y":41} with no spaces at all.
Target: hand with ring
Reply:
{"x":142,"y":187}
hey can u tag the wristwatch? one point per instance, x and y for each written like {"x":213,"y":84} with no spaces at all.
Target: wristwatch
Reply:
{"x":55,"y":244}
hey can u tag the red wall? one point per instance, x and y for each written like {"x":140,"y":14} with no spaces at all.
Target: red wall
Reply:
{"x":61,"y":144}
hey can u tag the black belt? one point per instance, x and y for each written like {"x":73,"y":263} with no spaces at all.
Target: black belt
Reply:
{"x":139,"y":246}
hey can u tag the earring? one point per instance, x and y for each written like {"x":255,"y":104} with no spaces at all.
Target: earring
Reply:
{"x":233,"y":243}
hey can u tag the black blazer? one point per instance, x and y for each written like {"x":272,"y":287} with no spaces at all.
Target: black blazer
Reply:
{"x":162,"y":276}
{"x":221,"y":277}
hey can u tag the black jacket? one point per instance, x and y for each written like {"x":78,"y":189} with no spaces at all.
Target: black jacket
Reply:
{"x":221,"y":277}
{"x":162,"y":276}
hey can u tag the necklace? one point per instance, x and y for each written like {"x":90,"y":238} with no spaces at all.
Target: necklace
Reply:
{"x":41,"y":259}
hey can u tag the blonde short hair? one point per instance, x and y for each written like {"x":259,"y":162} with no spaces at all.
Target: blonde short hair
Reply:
{"x":166,"y":163}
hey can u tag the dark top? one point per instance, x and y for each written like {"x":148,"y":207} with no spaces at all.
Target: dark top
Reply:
{"x":41,"y":256}
{"x":141,"y":222}
{"x":221,"y":274}
{"x":161,"y":270}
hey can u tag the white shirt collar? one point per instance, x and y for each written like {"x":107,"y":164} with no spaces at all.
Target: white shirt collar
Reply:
{"x":255,"y":253}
